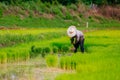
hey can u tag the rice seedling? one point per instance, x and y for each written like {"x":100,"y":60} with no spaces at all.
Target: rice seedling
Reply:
{"x":68,"y":62}
{"x":3,"y":58}
{"x":46,"y":50}
{"x":65,"y":48}
{"x":55,"y":49}
{"x":62,"y":47}
{"x":51,"y":60}
{"x":12,"y":57}
{"x":58,"y":45}
{"x":35,"y":51}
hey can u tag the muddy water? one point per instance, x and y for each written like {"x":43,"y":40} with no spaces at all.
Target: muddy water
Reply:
{"x":31,"y":70}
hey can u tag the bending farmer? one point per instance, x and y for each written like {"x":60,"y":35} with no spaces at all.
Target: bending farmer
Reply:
{"x":76,"y":37}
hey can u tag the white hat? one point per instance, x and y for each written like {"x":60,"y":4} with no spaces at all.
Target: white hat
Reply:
{"x":71,"y":31}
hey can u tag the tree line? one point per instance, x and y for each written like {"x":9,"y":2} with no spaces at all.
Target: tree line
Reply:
{"x":67,"y":2}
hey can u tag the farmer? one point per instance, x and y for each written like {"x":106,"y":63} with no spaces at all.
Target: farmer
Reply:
{"x":76,"y":37}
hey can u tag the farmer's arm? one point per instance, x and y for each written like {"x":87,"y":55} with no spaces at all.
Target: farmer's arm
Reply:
{"x":72,"y":40}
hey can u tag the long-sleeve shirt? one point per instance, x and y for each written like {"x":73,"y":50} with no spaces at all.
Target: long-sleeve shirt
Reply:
{"x":78,"y":37}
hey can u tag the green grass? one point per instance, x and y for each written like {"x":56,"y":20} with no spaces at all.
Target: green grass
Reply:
{"x":13,"y":21}
{"x":16,"y":22}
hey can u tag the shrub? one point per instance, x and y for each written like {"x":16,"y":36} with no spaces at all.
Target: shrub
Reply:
{"x":73,"y":6}
{"x":81,"y":15}
{"x":67,"y":2}
{"x":68,"y":16}
{"x":63,"y":2}
{"x":51,"y":60}
{"x":56,"y":10}
{"x":90,"y":17}
{"x":1,"y":12}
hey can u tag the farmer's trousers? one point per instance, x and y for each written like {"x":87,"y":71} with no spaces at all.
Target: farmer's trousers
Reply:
{"x":81,"y":44}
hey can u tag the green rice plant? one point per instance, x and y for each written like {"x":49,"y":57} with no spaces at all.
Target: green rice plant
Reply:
{"x":3,"y":58}
{"x":46,"y":50}
{"x":35,"y":51}
{"x":9,"y":38}
{"x":61,"y":46}
{"x":8,"y":57}
{"x":65,"y":48}
{"x":43,"y":55}
{"x":17,"y":56}
{"x":62,"y":63}
{"x":68,"y":62}
{"x":38,"y":50}
{"x":21,"y":56}
{"x":25,"y":56}
{"x":51,"y":60}
{"x":58,"y":45}
{"x":55,"y":49}
{"x":74,"y":62}
{"x":86,"y":68}
{"x":11,"y":57}
{"x":33,"y":48}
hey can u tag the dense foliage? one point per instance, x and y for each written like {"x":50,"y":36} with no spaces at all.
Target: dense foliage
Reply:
{"x":66,"y":2}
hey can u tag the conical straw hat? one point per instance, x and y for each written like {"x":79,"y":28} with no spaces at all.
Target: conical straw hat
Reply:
{"x":71,"y":31}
